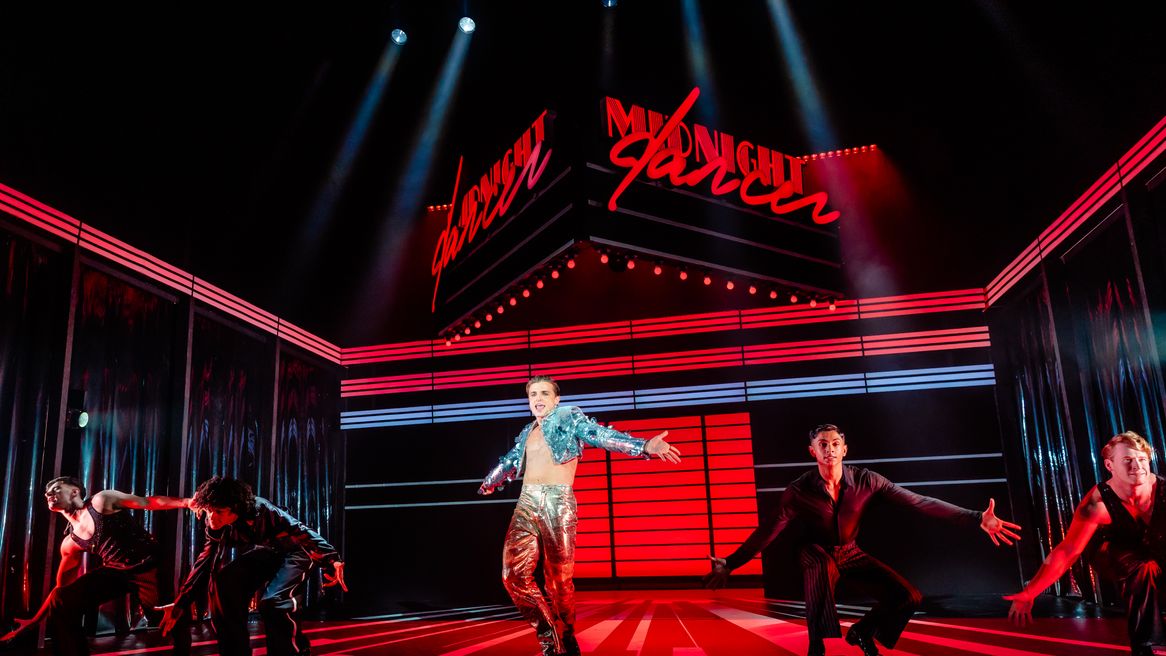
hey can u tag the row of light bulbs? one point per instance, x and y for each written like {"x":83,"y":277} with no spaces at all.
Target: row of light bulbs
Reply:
{"x":568,"y":261}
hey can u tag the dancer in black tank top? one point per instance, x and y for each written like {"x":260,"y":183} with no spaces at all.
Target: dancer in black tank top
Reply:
{"x":1128,"y":513}
{"x":129,"y":557}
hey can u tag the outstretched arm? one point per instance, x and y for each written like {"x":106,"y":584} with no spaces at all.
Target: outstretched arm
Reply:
{"x":71,"y":559}
{"x":606,"y":437}
{"x":107,"y":501}
{"x":760,"y":538}
{"x":996,"y":528}
{"x":1090,"y":514}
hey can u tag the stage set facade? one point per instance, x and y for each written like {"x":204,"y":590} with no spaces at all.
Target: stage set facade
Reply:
{"x":1006,"y":391}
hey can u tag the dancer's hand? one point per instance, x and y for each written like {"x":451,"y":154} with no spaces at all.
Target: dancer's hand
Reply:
{"x":996,"y":528}
{"x":658,"y":447}
{"x":170,"y":616}
{"x":21,"y":626}
{"x":336,"y":579}
{"x":1020,"y":613}
{"x":483,"y":490}
{"x":719,"y":575}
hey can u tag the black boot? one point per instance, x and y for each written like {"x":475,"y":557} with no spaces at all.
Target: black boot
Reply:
{"x":863,"y":642}
{"x":817,"y":648}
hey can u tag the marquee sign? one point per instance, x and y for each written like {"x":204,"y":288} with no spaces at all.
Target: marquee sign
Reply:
{"x":665,"y":147}
{"x":491,"y":196}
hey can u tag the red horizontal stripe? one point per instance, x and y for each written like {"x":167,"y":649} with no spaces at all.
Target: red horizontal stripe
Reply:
{"x":641,"y":538}
{"x":593,"y":570}
{"x":730,"y":520}
{"x":612,"y":327}
{"x":674,"y":478}
{"x":662,"y":523}
{"x":70,"y":235}
{"x":663,"y":568}
{"x":745,"y":490}
{"x":662,"y":552}
{"x":34,"y":208}
{"x":722,"y":447}
{"x":661,"y":508}
{"x":593,"y":539}
{"x":731,"y":476}
{"x":729,"y":419}
{"x":670,"y":493}
{"x":921,"y":349}
{"x":397,"y":390}
{"x":978,"y":305}
{"x":664,"y":423}
{"x":734,"y":506}
{"x":738,"y":432}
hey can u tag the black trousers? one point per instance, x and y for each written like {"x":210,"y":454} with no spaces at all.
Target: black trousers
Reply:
{"x":279,"y":576}
{"x":69,"y":603}
{"x":822,"y":567}
{"x":1140,"y":578}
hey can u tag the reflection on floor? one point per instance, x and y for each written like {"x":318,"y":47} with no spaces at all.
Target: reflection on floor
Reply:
{"x":671,"y":623}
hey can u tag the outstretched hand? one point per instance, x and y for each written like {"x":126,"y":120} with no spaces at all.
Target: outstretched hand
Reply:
{"x":719,"y":575}
{"x":1020,"y":613}
{"x":996,"y":528}
{"x":337,"y":578}
{"x":21,"y":626}
{"x":658,"y":447}
{"x":170,"y":616}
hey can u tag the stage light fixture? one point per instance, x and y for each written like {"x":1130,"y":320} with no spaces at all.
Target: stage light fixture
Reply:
{"x":467,"y":25}
{"x":833,"y":305}
{"x":708,"y":280}
{"x":477,"y":323}
{"x":448,"y":341}
{"x":683,"y":274}
{"x":525,"y":293}
{"x":604,"y":258}
{"x":457,"y":337}
{"x":609,"y":3}
{"x":399,"y":37}
{"x":729,"y":285}
{"x":657,"y":269}
{"x":489,"y":317}
{"x":813,"y":302}
{"x":501,"y":309}
{"x":75,"y":416}
{"x":555,"y":274}
{"x":539,"y":283}
{"x":631,"y":263}
{"x":793,"y":298}
{"x":467,"y":330}
{"x":513,"y":301}
{"x":772,"y":294}
{"x":752,"y":289}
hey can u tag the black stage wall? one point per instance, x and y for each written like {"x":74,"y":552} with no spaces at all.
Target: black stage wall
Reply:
{"x":1078,"y":343}
{"x":176,"y":392}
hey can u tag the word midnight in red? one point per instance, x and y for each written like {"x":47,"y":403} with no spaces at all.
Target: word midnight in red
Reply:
{"x":491,"y":197}
{"x":666,"y":155}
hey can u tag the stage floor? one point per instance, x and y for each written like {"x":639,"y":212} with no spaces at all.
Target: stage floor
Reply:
{"x":671,"y":623}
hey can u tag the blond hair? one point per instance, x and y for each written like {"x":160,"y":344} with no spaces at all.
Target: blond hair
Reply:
{"x":1130,"y":439}
{"x":542,"y":379}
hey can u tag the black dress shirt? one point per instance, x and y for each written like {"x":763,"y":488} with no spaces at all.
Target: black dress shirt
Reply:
{"x":831,"y":523}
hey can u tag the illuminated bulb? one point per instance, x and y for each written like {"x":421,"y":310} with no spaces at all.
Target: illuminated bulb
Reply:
{"x":657,"y":269}
{"x":603,"y":258}
{"x":555,"y":274}
{"x":467,"y":330}
{"x":477,"y":323}
{"x":684,"y":275}
{"x":813,"y":302}
{"x":832,"y":305}
{"x":708,"y":280}
{"x":752,"y":289}
{"x":631,"y":264}
{"x":526,"y":293}
{"x":772,"y":294}
{"x":513,"y":301}
{"x":793,"y":298}
{"x":489,"y":317}
{"x":501,"y":309}
{"x":539,"y":283}
{"x":729,"y":285}
{"x":399,"y":37}
{"x":447,"y":341}
{"x":571,"y":263}
{"x":467,"y":25}
{"x":457,"y":338}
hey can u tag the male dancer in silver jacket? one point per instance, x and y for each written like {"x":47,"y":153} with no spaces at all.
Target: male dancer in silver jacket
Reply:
{"x":544,"y":519}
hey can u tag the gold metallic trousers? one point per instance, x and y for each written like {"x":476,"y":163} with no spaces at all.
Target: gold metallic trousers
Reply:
{"x":544,"y":522}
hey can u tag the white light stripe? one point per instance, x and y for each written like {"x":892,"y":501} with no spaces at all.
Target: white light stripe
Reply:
{"x":432,"y":613}
{"x":956,"y":456}
{"x":352,"y":486}
{"x":968,"y":481}
{"x":432,"y":503}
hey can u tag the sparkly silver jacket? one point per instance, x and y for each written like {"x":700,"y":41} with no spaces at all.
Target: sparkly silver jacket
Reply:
{"x":567,"y":430}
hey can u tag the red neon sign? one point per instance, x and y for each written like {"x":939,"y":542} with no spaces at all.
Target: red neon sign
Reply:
{"x":490,"y":197}
{"x":668,"y":145}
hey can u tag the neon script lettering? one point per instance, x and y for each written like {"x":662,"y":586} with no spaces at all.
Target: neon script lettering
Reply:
{"x":759,"y":175}
{"x":490,"y":197}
